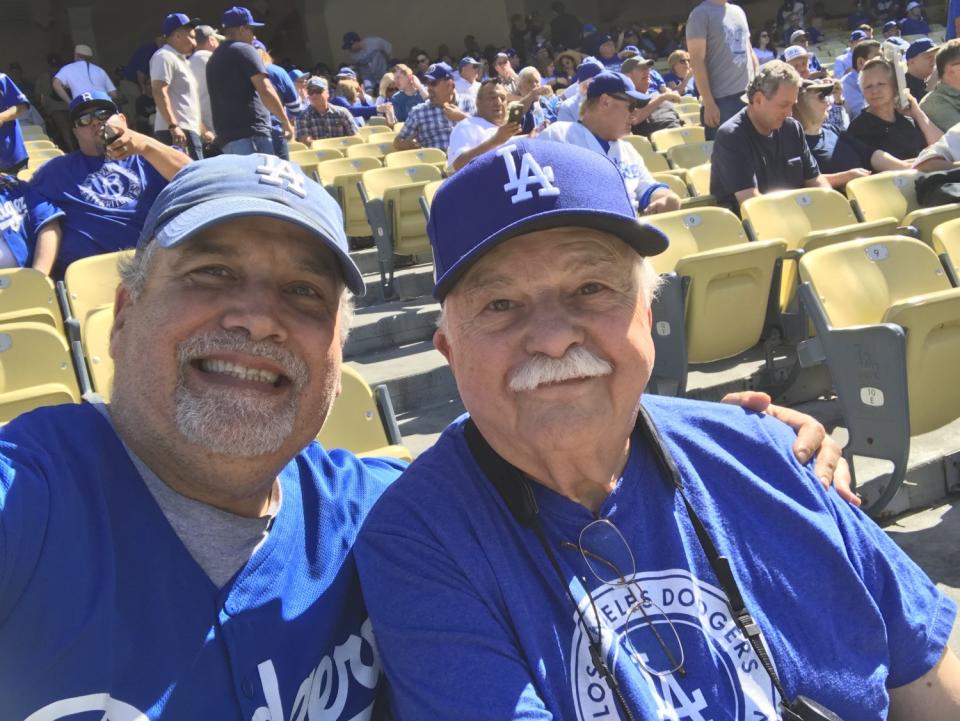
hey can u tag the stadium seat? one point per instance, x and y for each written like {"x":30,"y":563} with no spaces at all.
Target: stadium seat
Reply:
{"x":91,"y":283}
{"x":687,"y":103}
{"x":717,"y":287}
{"x":807,"y":218}
{"x":33,"y":132}
{"x":26,"y":173}
{"x":340,"y":144}
{"x":946,"y":242}
{"x":371,"y":150}
{"x":667,"y":138}
{"x":28,"y":296}
{"x":367,"y":130}
{"x":675,"y":182}
{"x":690,"y":118}
{"x":376,"y":121}
{"x":340,"y":178}
{"x":689,"y":155}
{"x":96,"y":350}
{"x":391,"y":197}
{"x":655,"y":162}
{"x":356,"y":420}
{"x":894,"y":194}
{"x":699,"y":176}
{"x":888,"y":328}
{"x":32,"y":145}
{"x":419,"y":156}
{"x":36,"y":369}
{"x":40,"y":154}
{"x":429,"y":190}
{"x":294,"y":145}
{"x":312,"y":156}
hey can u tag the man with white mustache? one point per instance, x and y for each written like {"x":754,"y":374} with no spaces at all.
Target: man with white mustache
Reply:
{"x":185,"y":552}
{"x":572,"y":551}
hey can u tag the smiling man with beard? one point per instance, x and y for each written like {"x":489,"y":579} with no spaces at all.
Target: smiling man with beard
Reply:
{"x":185,"y":552}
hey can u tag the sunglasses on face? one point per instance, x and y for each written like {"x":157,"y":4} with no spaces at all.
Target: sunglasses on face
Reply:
{"x":101,"y":114}
{"x":423,"y":61}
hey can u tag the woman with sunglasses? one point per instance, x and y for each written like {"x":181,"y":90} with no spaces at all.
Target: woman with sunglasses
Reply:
{"x":840,"y":156}
{"x":763,"y":46}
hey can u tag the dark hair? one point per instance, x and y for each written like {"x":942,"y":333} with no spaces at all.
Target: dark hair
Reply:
{"x":948,"y":53}
{"x":489,"y":81}
{"x":863,"y":50}
{"x":770,"y":44}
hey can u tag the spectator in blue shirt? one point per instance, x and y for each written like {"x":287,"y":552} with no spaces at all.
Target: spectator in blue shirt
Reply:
{"x":862,"y":52}
{"x":914,"y":23}
{"x":29,"y":227}
{"x":410,"y":91}
{"x":13,"y":104}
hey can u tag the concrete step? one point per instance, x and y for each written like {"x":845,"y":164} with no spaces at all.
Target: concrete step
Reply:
{"x":383,"y":326}
{"x":366,"y":260}
{"x":412,"y":282}
{"x":421,"y":428}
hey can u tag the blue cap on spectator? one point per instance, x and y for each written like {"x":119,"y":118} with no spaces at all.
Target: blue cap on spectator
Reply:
{"x":346,"y":72}
{"x":89,"y":100}
{"x":439,"y":71}
{"x":207,"y":192}
{"x":900,"y":42}
{"x":890,"y":25}
{"x":857,"y":35}
{"x":296,"y":74}
{"x":631,"y":49}
{"x":588,"y":68}
{"x":468,"y":61}
{"x":349,"y":39}
{"x":317,"y":83}
{"x":175,"y":21}
{"x":605,"y":38}
{"x":610,"y":83}
{"x":237,"y":17}
{"x":527,"y":186}
{"x":920,"y":46}
{"x":510,"y":52}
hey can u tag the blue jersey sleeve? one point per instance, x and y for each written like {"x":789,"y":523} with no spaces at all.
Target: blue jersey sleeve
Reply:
{"x":12,"y":95}
{"x":41,"y":210}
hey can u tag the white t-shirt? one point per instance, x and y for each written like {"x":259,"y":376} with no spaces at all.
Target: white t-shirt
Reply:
{"x":948,"y":147}
{"x":81,"y":76}
{"x":468,"y":134}
{"x":173,"y":69}
{"x":464,"y":87}
{"x":569,"y":109}
{"x":637,"y":179}
{"x":198,"y":63}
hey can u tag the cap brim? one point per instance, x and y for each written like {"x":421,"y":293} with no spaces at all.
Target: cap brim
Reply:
{"x":84,"y":107}
{"x":204,"y":215}
{"x":643,"y":238}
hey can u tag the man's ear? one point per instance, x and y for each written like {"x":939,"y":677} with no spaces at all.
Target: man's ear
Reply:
{"x":442,"y":344}
{"x":121,"y":305}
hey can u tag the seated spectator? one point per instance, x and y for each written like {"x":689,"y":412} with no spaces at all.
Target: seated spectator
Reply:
{"x":921,"y":59}
{"x":762,"y":148}
{"x":914,"y":23}
{"x":942,"y":104}
{"x":860,"y":15}
{"x":323,"y":119}
{"x":605,"y":119}
{"x":484,"y":131}
{"x":606,"y":52}
{"x":13,"y":104}
{"x":504,"y":69}
{"x":844,"y":63}
{"x":569,"y":109}
{"x":387,"y":89}
{"x":863,"y":52}
{"x":680,"y":78}
{"x":942,"y":154}
{"x":350,"y":95}
{"x":902,"y":133}
{"x":29,"y":227}
{"x":565,"y":65}
{"x":429,"y":124}
{"x":840,"y":157}
{"x":797,"y":58}
{"x":891,"y":29}
{"x":467,"y":81}
{"x":537,"y":99}
{"x":657,"y":112}
{"x":410,"y":91}
{"x":105,"y":189}
{"x":816,"y":71}
{"x":763,"y":47}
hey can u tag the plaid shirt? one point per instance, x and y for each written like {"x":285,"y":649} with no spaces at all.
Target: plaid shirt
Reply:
{"x":431,"y":127}
{"x":334,"y":123}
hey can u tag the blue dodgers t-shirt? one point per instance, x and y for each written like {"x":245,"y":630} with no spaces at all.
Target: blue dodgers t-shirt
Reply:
{"x":105,"y":201}
{"x":22,"y":214}
{"x":104,"y":613}
{"x":12,"y":149}
{"x":836,"y":151}
{"x":487,"y":630}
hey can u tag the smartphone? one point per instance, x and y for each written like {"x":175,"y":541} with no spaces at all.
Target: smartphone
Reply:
{"x":515,"y":112}
{"x":896,"y":56}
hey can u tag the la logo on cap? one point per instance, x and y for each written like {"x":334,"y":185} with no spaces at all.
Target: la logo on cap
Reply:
{"x":280,"y":173}
{"x":530,"y":174}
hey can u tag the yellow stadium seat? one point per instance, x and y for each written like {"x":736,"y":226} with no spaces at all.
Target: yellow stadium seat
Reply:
{"x":36,"y":369}
{"x":378,"y":121}
{"x":92,"y":283}
{"x":689,"y":155}
{"x":33,"y":132}
{"x":888,"y":327}
{"x":295,"y":145}
{"x":699,"y":176}
{"x":418,"y":156}
{"x":96,"y":350}
{"x":391,"y":197}
{"x":370,"y":150}
{"x":368,"y":130}
{"x":26,"y":173}
{"x":354,"y":421}
{"x":894,"y":194}
{"x":687,"y":103}
{"x":28,"y":296}
{"x":41,"y":154}
{"x":667,"y":138}
{"x":655,"y":162}
{"x":340,"y":144}
{"x":691,"y":118}
{"x":340,"y":178}
{"x":314,"y":155}
{"x":675,"y":182}
{"x":807,"y":218}
{"x":946,"y":242}
{"x":39,"y":145}
{"x":429,"y":190}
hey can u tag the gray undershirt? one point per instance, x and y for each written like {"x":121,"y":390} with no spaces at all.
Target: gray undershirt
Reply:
{"x":220,"y":542}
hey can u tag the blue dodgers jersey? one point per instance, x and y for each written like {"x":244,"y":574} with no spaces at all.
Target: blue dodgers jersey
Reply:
{"x":22,"y":214}
{"x":12,"y":148}
{"x":488,"y":631}
{"x":105,"y":201}
{"x":104,"y":614}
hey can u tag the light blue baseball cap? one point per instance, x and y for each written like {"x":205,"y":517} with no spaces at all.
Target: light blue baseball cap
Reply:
{"x":208,"y":192}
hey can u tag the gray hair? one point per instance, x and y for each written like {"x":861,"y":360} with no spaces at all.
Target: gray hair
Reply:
{"x":135,"y":269}
{"x":770,"y":77}
{"x":529,"y":74}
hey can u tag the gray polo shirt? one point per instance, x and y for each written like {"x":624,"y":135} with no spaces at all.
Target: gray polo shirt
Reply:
{"x":172,"y":68}
{"x":728,"y":54}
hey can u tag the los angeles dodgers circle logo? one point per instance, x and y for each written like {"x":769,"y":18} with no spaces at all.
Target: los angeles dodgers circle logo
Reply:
{"x":681,"y":615}
{"x":112,"y":186}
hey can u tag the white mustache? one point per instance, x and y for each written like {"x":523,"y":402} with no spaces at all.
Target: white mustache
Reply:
{"x":199,"y":346}
{"x":578,"y":362}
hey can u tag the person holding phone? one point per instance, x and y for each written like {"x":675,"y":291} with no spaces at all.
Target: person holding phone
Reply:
{"x":492,"y":126}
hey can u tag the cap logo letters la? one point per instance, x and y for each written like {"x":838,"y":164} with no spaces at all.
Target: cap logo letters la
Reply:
{"x":280,"y":173}
{"x":530,"y":174}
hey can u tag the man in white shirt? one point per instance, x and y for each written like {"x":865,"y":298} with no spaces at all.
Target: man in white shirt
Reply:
{"x":207,"y":41}
{"x":82,"y":76}
{"x":466,"y":81}
{"x":484,"y":131}
{"x":606,"y":118}
{"x":942,"y":154}
{"x":174,"y":85}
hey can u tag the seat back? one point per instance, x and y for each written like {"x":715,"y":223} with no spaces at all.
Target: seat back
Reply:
{"x":668,"y":137}
{"x":33,"y":132}
{"x":336,"y":143}
{"x":883,"y":195}
{"x":690,"y":117}
{"x":39,"y":144}
{"x":295,"y":145}
{"x":27,"y":295}
{"x":655,"y":162}
{"x":367,"y":130}
{"x":699,"y":176}
{"x":370,"y":150}
{"x":689,"y":155}
{"x":44,"y":154}
{"x":430,"y":189}
{"x":340,"y":178}
{"x":946,"y":239}
{"x":354,"y":420}
{"x":35,"y":369}
{"x":401,"y":189}
{"x":313,"y":156}
{"x":92,"y":282}
{"x":674,"y":182}
{"x":419,"y":156}
{"x":96,"y":349}
{"x":794,"y":214}
{"x":694,"y":231}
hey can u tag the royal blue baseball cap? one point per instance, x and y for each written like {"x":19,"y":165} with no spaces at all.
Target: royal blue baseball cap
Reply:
{"x":207,"y":192}
{"x":631,"y":49}
{"x":346,"y":72}
{"x":89,"y":101}
{"x":890,"y":25}
{"x":605,"y":38}
{"x":611,"y":83}
{"x":468,"y":61}
{"x":529,"y":185}
{"x":589,"y":67}
{"x":349,"y":39}
{"x":296,"y":74}
{"x":175,"y":21}
{"x":237,"y":17}
{"x":439,"y":71}
{"x":857,"y":36}
{"x":920,"y":46}
{"x":900,"y":42}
